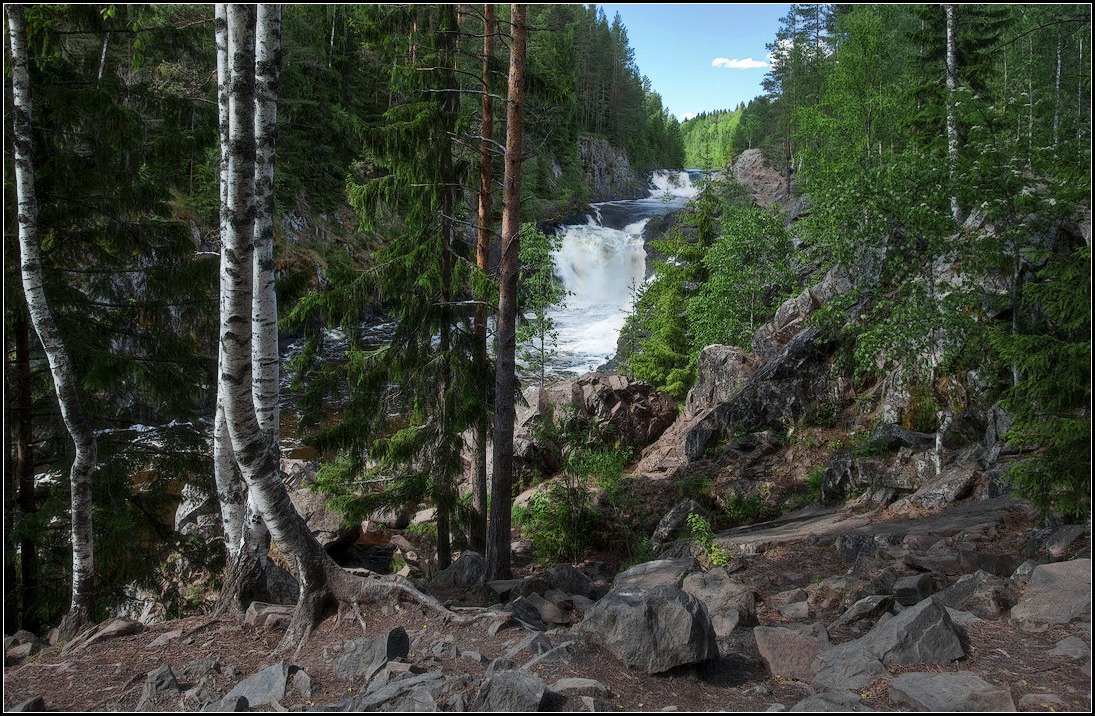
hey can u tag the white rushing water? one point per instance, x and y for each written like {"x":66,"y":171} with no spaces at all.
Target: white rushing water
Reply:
{"x":601,"y":263}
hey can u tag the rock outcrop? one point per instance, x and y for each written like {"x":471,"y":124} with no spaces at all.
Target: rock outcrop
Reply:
{"x":607,"y":171}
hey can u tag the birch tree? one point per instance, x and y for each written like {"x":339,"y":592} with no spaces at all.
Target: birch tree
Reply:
{"x":82,"y":606}
{"x":498,"y":531}
{"x":322,"y":582}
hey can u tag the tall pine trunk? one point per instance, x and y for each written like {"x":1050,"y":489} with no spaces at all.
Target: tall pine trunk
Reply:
{"x":498,"y":534}
{"x":478,"y":537}
{"x":82,"y":606}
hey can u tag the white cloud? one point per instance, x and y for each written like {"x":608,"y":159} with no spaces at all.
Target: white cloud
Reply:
{"x":747,"y":64}
{"x":686,"y":116}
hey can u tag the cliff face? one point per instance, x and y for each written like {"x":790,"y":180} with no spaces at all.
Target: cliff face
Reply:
{"x":607,"y":171}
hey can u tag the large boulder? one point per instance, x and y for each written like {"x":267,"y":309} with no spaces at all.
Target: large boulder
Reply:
{"x":652,"y":629}
{"x":1057,"y":593}
{"x":721,"y":372}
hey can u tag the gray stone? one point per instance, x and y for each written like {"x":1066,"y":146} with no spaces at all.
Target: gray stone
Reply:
{"x":671,"y":524}
{"x":362,"y":657}
{"x":922,"y":634}
{"x":36,"y":703}
{"x":229,"y":704}
{"x":1057,"y":593}
{"x":847,"y":666}
{"x":655,"y":574}
{"x":963,"y":619}
{"x":467,"y":571}
{"x":795,"y":610}
{"x":790,"y":596}
{"x":502,"y":663}
{"x":728,"y":601}
{"x":382,"y":698}
{"x":106,"y":630}
{"x":574,"y":686}
{"x":981,"y":593}
{"x":201,"y":667}
{"x":867,"y":608}
{"x":837,"y":700}
{"x":566,"y":578}
{"x":655,"y":629}
{"x":261,"y":614}
{"x":303,"y":683}
{"x":527,"y":611}
{"x":721,"y":372}
{"x":912,"y":589}
{"x":159,"y":680}
{"x":510,"y":691}
{"x":264,"y":687}
{"x":594,"y":704}
{"x":1073,"y":647}
{"x":950,"y":692}
{"x":325,"y":524}
{"x":790,"y":650}
{"x":417,"y":700}
{"x":1043,"y":702}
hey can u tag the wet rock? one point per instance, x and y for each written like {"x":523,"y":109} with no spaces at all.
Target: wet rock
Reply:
{"x":653,"y":629}
{"x":950,"y":692}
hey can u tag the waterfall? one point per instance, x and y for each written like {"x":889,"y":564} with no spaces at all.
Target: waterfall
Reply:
{"x":601,"y":263}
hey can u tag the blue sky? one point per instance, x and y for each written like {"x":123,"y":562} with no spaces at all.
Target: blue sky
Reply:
{"x":675,"y":46}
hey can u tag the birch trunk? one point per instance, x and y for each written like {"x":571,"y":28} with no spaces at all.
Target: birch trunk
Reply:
{"x":82,"y":606}
{"x":952,"y":90}
{"x":230,"y":493}
{"x":264,"y":342}
{"x":498,"y":533}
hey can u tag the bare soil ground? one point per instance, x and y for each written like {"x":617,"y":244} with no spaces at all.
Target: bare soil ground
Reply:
{"x":110,"y":675}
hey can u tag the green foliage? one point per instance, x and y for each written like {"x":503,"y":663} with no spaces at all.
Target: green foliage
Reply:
{"x":560,"y":520}
{"x":540,"y":291}
{"x":709,"y":139}
{"x":1051,"y":401}
{"x":748,"y":276}
{"x":703,"y":536}
{"x":750,"y":507}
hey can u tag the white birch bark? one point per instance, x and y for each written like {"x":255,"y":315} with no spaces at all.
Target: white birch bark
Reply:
{"x":264,"y":342}
{"x":230,"y":492}
{"x":82,"y":606}
{"x":254,"y":452}
{"x":952,"y":90}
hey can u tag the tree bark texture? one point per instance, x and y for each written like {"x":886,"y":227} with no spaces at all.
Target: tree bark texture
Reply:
{"x":82,"y":606}
{"x":478,"y":537}
{"x":498,"y":535}
{"x":952,"y":91}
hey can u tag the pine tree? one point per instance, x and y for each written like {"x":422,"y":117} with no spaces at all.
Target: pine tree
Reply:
{"x":498,"y":529}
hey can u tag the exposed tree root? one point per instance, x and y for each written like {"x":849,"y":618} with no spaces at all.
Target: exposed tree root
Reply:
{"x":330,"y":585}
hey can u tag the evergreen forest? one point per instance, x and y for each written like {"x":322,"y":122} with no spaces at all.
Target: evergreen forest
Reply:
{"x":241,"y":233}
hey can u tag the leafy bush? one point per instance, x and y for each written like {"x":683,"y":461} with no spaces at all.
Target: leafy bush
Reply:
{"x":704,"y":538}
